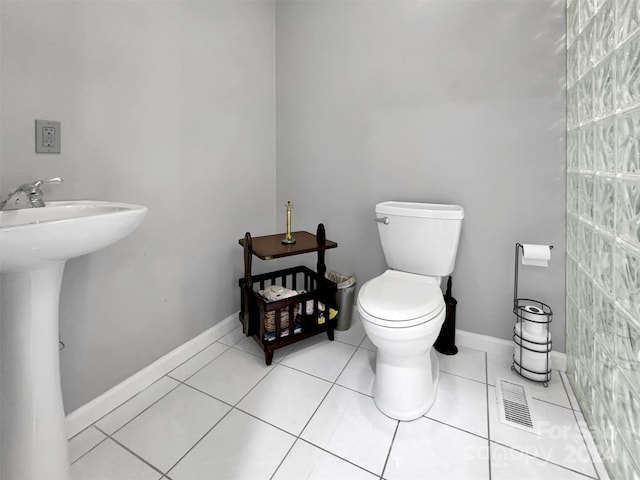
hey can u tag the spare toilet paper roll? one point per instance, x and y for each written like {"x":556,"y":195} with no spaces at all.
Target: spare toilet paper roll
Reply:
{"x":536,"y":343}
{"x":535,"y":365}
{"x":534,"y":315}
{"x":537,"y":255}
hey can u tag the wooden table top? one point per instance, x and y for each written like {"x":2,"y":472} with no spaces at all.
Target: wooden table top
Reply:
{"x":271,"y":246}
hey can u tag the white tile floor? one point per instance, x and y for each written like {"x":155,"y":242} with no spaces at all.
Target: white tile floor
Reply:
{"x":224,"y":414}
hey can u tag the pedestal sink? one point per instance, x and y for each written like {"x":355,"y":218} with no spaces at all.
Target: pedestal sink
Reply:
{"x":35,"y":243}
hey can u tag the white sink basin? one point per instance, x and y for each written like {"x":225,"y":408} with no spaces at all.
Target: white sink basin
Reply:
{"x":33,"y":237}
{"x":34,"y":246}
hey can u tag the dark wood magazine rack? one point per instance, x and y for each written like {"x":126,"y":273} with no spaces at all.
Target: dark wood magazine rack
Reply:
{"x":279,"y":323}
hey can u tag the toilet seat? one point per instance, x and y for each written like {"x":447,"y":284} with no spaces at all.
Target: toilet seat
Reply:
{"x":399,"y":299}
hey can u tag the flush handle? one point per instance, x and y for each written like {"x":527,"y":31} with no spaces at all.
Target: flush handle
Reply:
{"x":384,"y":220}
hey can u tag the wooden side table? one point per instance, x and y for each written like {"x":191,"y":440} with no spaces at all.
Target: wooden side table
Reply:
{"x":279,"y":323}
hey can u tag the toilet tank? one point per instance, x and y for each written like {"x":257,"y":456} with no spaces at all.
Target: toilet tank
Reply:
{"x":420,"y":238}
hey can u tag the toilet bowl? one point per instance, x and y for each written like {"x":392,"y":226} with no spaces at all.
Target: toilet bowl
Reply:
{"x":403,"y":309}
{"x":402,"y":314}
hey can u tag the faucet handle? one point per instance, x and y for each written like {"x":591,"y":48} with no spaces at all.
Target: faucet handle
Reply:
{"x":36,"y":194}
{"x":51,"y":180}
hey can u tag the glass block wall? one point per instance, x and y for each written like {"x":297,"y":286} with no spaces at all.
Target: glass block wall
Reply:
{"x":603,"y":224}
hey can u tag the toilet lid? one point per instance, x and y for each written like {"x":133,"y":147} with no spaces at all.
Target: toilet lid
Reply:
{"x":401,"y":297}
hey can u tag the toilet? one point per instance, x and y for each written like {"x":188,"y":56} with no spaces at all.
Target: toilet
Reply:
{"x":403,"y":309}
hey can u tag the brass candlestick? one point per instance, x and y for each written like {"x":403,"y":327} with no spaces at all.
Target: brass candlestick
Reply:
{"x":288,"y":239}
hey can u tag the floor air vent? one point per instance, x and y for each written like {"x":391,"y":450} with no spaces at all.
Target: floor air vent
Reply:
{"x":514,"y":405}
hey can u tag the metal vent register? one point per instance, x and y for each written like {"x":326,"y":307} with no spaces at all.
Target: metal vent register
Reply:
{"x":514,"y":405}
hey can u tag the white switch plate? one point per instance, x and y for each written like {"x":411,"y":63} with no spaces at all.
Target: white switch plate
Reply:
{"x":47,"y":136}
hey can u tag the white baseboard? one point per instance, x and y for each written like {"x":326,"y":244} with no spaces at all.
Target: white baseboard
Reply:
{"x":499,"y":346}
{"x":91,"y":412}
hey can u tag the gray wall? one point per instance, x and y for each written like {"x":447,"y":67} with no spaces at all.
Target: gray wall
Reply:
{"x":173,"y":105}
{"x":164,"y":104}
{"x":440,"y":101}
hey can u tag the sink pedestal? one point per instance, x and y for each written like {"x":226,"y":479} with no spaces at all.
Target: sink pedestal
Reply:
{"x":33,"y":444}
{"x":35,"y":243}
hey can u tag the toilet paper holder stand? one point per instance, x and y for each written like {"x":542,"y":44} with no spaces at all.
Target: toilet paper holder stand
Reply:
{"x":532,"y":340}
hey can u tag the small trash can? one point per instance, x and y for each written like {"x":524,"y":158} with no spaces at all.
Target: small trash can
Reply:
{"x":344,"y":297}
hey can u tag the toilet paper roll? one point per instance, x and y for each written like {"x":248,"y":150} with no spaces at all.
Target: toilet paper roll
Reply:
{"x":533,"y":313}
{"x":535,"y":319}
{"x":535,"y":361}
{"x":537,"y":343}
{"x":532,"y":362}
{"x":536,"y":255}
{"x":531,"y":328}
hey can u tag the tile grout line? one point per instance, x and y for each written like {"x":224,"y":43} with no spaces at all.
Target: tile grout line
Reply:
{"x":544,"y":460}
{"x":466,"y":378}
{"x":190,"y":449}
{"x":120,"y":405}
{"x":110,"y":436}
{"x":106,"y":437}
{"x":200,"y":351}
{"x":333,"y":384}
{"x":332,"y":454}
{"x":486,"y":377}
{"x":393,"y":439}
{"x":261,"y":354}
{"x":566,"y":390}
{"x":95,"y":424}
{"x":235,"y":406}
{"x":168,"y":375}
{"x":338,"y":456}
{"x":208,"y":395}
{"x":284,"y":458}
{"x":180,"y":382}
{"x":127,"y":449}
{"x":312,"y":375}
{"x":258,"y":354}
{"x":183,"y":382}
{"x":452,"y":426}
{"x":205,"y":365}
{"x":551,"y":403}
{"x":584,"y":440}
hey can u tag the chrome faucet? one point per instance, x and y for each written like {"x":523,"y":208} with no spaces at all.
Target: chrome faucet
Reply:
{"x":28,"y":195}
